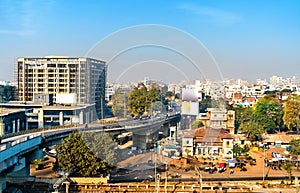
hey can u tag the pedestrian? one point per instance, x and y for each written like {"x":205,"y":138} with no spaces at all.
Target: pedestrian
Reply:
{"x":231,"y":171}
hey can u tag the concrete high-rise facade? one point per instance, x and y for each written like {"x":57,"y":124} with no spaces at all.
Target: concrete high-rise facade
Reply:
{"x":54,"y":76}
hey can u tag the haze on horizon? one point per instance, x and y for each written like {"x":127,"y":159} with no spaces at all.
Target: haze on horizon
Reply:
{"x":247,"y":39}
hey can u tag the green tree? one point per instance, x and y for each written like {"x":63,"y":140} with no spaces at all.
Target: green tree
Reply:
{"x":120,"y":104}
{"x":268,"y":113}
{"x":242,"y":114}
{"x":7,"y":93}
{"x":246,"y":124}
{"x":103,"y":146}
{"x":238,"y":151}
{"x":291,"y":117}
{"x":74,"y":154}
{"x":205,"y":103}
{"x":169,"y":94}
{"x":140,"y":100}
{"x":288,"y":168}
{"x":252,"y":129}
{"x":295,"y":146}
{"x":197,"y":124}
{"x":156,"y":106}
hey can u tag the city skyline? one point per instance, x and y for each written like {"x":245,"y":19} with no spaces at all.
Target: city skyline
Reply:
{"x":247,"y":39}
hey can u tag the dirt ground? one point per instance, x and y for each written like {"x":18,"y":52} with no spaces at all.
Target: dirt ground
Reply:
{"x":47,"y":171}
{"x":252,"y":171}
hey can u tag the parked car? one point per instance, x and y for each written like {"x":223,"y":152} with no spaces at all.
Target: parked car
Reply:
{"x":222,"y":169}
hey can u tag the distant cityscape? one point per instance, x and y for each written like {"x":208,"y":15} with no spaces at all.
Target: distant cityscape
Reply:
{"x":192,"y":131}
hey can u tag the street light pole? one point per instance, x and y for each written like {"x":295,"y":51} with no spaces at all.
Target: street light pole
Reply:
{"x":200,"y":177}
{"x":264,"y":163}
{"x":157,"y":176}
{"x":166,"y":182}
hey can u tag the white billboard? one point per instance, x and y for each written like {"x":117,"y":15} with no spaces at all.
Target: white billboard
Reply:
{"x":189,"y":108}
{"x":66,"y":98}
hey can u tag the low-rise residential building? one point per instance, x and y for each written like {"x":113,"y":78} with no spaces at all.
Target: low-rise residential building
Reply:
{"x":188,"y":142}
{"x":219,"y":118}
{"x":207,"y":141}
{"x":280,"y":140}
{"x":249,"y":101}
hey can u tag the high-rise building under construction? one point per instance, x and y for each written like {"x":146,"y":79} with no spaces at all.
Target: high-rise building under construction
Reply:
{"x":61,"y":79}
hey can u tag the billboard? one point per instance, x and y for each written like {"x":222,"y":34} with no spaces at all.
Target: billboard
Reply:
{"x":189,"y":108}
{"x":66,"y":98}
{"x":189,"y":95}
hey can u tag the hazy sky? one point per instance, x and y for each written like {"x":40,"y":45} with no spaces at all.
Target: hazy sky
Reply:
{"x":248,"y":39}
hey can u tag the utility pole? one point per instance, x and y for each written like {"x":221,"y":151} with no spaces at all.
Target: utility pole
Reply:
{"x":124,"y":105}
{"x":157,"y":185}
{"x":264,"y":163}
{"x":157,"y":176}
{"x":200,"y":177}
{"x":166,"y":181}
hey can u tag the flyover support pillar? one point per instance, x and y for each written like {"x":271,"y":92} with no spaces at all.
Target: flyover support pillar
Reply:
{"x":2,"y":128}
{"x":81,"y":118}
{"x":2,"y":183}
{"x":61,"y":118}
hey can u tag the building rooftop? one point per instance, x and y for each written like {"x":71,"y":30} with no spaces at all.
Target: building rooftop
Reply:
{"x":15,"y":105}
{"x":204,"y":133}
{"x":283,"y":138}
{"x":6,"y":111}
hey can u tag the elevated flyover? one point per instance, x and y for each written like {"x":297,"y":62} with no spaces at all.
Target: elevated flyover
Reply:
{"x":12,"y":149}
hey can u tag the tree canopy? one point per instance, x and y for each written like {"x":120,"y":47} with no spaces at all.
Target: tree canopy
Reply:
{"x":7,"y":93}
{"x":140,"y":100}
{"x":197,"y":124}
{"x":169,"y":94}
{"x":120,"y":104}
{"x":252,"y":129}
{"x":204,"y":104}
{"x":291,"y":114}
{"x":265,"y":116}
{"x":87,"y":154}
{"x":295,"y":146}
{"x":246,"y":123}
{"x":268,"y":113}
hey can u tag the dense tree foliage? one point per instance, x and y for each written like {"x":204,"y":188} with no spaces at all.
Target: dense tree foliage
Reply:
{"x":169,"y":94}
{"x":120,"y":104}
{"x":7,"y":93}
{"x":205,"y":103}
{"x":87,"y":154}
{"x":208,"y":102}
{"x":197,"y":124}
{"x":295,"y":146}
{"x":252,"y":129}
{"x":246,"y":123}
{"x":288,"y":168}
{"x":268,"y":113}
{"x":265,"y":116}
{"x":140,"y":100}
{"x":242,"y":114}
{"x":291,"y":117}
